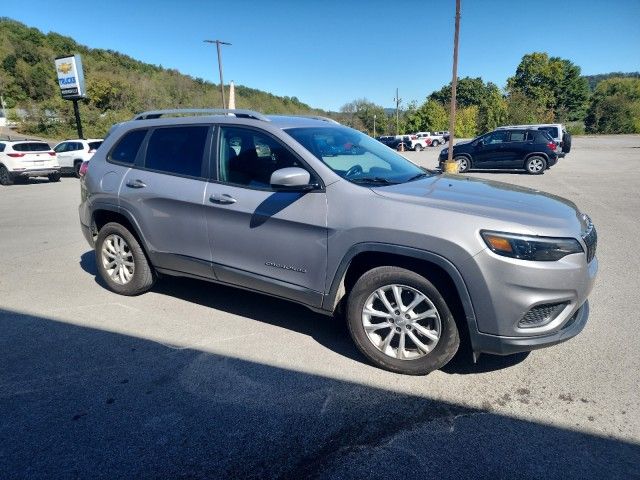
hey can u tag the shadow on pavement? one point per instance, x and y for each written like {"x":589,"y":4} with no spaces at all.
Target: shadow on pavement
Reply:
{"x":78,"y":402}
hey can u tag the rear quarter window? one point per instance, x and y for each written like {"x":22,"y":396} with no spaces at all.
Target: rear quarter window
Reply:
{"x":127,"y":148}
{"x":94,"y":145}
{"x":553,"y":131}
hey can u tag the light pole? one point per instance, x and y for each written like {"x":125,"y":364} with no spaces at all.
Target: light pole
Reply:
{"x":218,"y":43}
{"x":450,"y":166}
{"x":374,"y":125}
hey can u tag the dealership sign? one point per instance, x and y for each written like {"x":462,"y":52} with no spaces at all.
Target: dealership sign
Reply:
{"x":70,"y":77}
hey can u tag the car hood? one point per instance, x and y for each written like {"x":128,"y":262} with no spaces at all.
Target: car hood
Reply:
{"x":535,"y":212}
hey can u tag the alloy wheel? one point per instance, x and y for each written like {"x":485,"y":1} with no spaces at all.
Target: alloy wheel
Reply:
{"x":401,"y":322}
{"x":117,"y":259}
{"x":535,"y":165}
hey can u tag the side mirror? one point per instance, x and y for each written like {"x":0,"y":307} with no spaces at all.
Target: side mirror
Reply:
{"x":292,"y":179}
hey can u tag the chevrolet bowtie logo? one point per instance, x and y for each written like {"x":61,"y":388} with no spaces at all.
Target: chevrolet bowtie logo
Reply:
{"x":64,"y":68}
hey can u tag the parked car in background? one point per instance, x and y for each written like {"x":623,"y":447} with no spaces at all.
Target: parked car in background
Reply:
{"x":506,"y":149}
{"x":397,"y":142}
{"x":417,"y":143}
{"x":434,"y":139}
{"x":444,"y":134}
{"x":24,"y":159}
{"x":71,"y":153}
{"x":557,"y":131}
{"x":413,"y":259}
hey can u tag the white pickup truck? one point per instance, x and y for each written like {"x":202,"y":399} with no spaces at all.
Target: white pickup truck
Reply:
{"x":433,"y":139}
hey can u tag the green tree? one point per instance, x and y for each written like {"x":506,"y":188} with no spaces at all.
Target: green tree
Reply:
{"x":467,"y":122}
{"x":469,"y":91}
{"x":492,"y":112}
{"x":428,"y":117}
{"x":359,"y":114}
{"x":552,"y":83}
{"x":615,"y":107}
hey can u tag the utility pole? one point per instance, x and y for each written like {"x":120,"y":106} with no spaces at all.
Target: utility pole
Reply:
{"x":374,"y":125}
{"x":397,"y":100}
{"x":450,"y":166}
{"x":218,"y":43}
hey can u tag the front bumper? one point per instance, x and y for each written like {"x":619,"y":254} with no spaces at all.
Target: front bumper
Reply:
{"x":499,"y":345}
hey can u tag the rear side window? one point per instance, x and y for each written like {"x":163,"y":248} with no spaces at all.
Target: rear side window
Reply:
{"x":177,"y":150}
{"x":553,"y":131}
{"x":94,"y":145}
{"x":1,"y":147}
{"x":31,"y":147}
{"x":127,"y":148}
{"x":517,"y":136}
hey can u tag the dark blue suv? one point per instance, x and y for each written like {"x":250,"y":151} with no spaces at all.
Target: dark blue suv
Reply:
{"x":517,"y":149}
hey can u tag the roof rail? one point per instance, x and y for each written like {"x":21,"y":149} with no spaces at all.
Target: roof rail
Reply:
{"x":201,"y":111}
{"x":324,"y":119}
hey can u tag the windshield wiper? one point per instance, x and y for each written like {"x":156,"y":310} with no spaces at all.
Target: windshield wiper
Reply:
{"x":380,"y":180}
{"x":419,"y":175}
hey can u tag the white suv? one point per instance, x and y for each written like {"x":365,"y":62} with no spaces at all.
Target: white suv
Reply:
{"x":71,"y":153}
{"x":27,"y":159}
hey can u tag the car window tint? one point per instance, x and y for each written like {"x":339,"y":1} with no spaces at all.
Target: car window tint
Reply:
{"x":94,"y":145}
{"x":553,"y":131}
{"x":177,"y":150}
{"x":31,"y":147}
{"x":248,"y":157}
{"x":500,"y":136}
{"x":127,"y":148}
{"x":517,"y":136}
{"x":61,"y":148}
{"x":1,"y":147}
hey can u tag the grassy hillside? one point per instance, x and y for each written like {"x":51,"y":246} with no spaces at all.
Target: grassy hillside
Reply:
{"x":595,"y":79}
{"x":117,"y":85}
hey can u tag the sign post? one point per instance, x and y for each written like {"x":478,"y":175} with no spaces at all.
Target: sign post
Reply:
{"x":71,"y":81}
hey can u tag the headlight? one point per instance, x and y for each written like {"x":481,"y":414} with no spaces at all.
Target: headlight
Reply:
{"x":541,"y":249}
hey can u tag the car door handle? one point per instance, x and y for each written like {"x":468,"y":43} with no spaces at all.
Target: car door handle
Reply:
{"x":136,"y":184}
{"x":224,"y":198}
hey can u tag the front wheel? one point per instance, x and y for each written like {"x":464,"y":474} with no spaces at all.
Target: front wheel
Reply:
{"x":401,"y":322}
{"x":54,"y":177}
{"x":435,"y":143}
{"x":418,"y":148}
{"x":121,"y":261}
{"x":535,"y":165}
{"x":464,"y":164}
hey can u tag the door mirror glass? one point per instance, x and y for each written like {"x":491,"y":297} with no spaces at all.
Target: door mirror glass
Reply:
{"x":291,"y":178}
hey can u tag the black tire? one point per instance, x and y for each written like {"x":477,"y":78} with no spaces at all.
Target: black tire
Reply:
{"x":435,"y":143}
{"x":54,"y":177}
{"x":464,"y":163}
{"x":418,"y":147}
{"x":535,"y":165}
{"x":76,"y":168}
{"x":143,"y":275}
{"x":566,"y":142}
{"x":5,"y":177}
{"x":444,"y":349}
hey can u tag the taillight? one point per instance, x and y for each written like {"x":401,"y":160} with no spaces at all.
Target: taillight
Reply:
{"x":53,"y":154}
{"x":83,"y":169}
{"x":16,"y":155}
{"x":551,"y":145}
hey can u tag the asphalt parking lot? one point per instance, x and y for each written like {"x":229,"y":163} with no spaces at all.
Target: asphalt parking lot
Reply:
{"x":194,"y":380}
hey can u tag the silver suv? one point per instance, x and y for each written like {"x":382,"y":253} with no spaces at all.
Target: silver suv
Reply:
{"x":317,"y":213}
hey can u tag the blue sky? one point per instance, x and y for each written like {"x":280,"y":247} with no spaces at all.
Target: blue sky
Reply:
{"x":330,"y":52}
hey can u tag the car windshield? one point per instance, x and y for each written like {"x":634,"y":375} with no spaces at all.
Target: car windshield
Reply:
{"x":357,"y":157}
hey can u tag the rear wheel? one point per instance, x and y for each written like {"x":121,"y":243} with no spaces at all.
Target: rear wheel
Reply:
{"x":418,"y":147}
{"x":54,"y":177}
{"x":535,"y":165}
{"x":435,"y":143}
{"x":121,"y":261}
{"x":464,"y":164}
{"x":5,"y":177}
{"x":400,"y":321}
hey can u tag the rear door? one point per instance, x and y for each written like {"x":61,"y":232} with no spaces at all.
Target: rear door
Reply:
{"x":271,"y":241}
{"x":514,"y":150}
{"x":164,"y":192}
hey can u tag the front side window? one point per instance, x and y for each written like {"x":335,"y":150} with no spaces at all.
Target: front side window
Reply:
{"x":356,"y":156}
{"x":499,"y":136}
{"x":127,"y":148}
{"x":177,"y":150}
{"x":61,"y":148}
{"x":249,"y":157}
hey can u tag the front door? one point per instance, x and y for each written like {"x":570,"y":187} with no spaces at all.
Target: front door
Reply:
{"x":489,"y":152}
{"x":266,"y":240}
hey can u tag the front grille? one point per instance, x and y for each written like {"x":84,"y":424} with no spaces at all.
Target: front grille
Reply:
{"x":591,"y":240}
{"x":541,"y":314}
